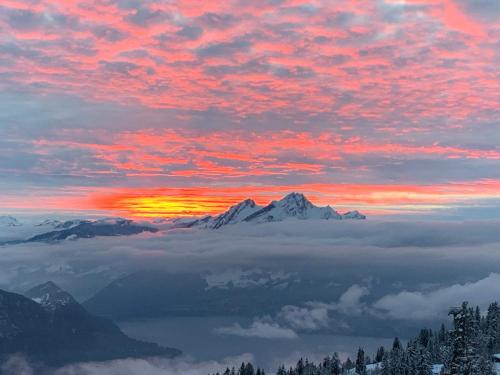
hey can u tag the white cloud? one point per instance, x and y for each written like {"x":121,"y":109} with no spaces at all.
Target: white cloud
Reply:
{"x":304,"y":318}
{"x":260,"y":329}
{"x":313,"y":316}
{"x":350,"y":302}
{"x":435,"y":304}
{"x":16,"y":365}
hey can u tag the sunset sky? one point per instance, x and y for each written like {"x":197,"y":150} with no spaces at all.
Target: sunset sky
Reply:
{"x":155,"y":107}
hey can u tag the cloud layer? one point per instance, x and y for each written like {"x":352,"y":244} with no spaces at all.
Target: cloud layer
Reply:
{"x":400,"y":253}
{"x":436,"y":303}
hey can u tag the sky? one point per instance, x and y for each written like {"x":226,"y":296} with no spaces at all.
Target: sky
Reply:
{"x":166,"y":108}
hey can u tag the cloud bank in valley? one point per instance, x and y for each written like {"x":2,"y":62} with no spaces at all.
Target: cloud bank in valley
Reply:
{"x":433,"y":304}
{"x":313,"y":316}
{"x":408,"y":254}
{"x":259,"y":328}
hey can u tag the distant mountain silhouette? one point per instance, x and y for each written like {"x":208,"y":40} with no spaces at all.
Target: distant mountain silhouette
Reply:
{"x":75,"y":229}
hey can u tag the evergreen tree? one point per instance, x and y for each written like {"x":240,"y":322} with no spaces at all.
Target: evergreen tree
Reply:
{"x":246,"y":369}
{"x":332,"y":366}
{"x":349,"y":364}
{"x":299,"y":369}
{"x":466,"y":358}
{"x":360,"y":362}
{"x":492,"y":328}
{"x":380,"y":354}
{"x":397,"y":358}
{"x":423,"y":365}
{"x":386,"y":365}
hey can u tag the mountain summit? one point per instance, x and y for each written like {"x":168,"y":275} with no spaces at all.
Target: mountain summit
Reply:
{"x":50,"y":296}
{"x":293,"y":205}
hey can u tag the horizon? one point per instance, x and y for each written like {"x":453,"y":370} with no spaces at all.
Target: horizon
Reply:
{"x":158,"y":213}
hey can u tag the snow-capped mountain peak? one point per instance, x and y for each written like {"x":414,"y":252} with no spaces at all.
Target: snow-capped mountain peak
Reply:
{"x":50,"y":296}
{"x":235,"y":214}
{"x":292,"y":205}
{"x":295,"y":203}
{"x":356,"y":215}
{"x":54,"y":223}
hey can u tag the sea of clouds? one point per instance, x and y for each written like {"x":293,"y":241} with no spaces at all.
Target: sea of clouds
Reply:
{"x":405,"y":270}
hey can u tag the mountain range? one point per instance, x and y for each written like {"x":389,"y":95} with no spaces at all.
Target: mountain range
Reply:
{"x":74,"y":229}
{"x":292,"y":206}
{"x":48,"y":326}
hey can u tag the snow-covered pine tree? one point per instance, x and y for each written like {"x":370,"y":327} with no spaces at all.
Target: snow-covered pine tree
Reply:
{"x":386,"y":365}
{"x":493,"y":328}
{"x":466,"y":356}
{"x":423,"y":365}
{"x":397,"y":358}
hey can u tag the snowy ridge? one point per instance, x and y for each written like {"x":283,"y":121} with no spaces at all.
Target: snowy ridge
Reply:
{"x":9,"y":221}
{"x":235,"y":214}
{"x":354,"y":215}
{"x":294,"y":205}
{"x":49,"y":223}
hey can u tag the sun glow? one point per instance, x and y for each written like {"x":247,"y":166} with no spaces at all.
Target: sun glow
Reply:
{"x":169,"y":206}
{"x":371,"y":199}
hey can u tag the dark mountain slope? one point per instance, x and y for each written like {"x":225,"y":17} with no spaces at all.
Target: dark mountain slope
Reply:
{"x":73,"y":230}
{"x":54,"y":329}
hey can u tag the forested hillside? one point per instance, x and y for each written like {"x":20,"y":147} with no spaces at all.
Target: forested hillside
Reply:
{"x":466,"y":349}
